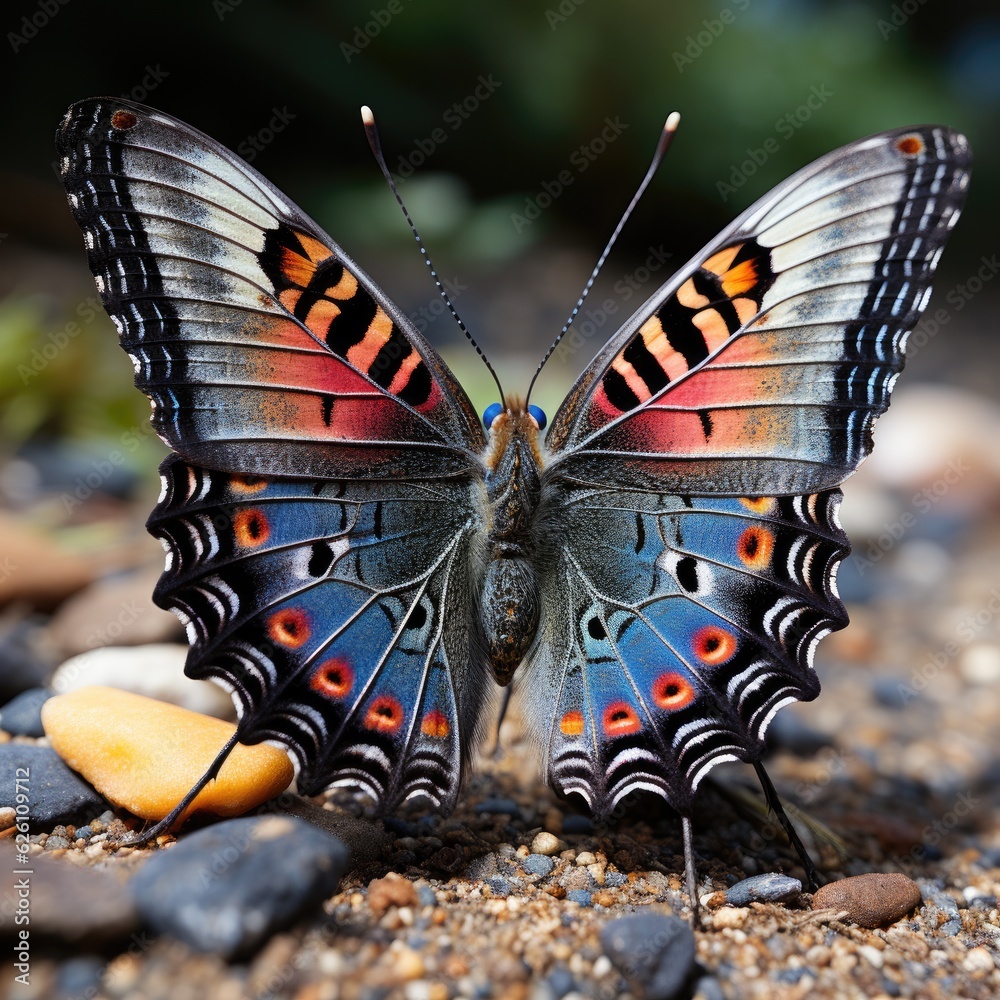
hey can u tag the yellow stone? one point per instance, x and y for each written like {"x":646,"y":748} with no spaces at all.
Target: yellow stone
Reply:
{"x":145,"y":754}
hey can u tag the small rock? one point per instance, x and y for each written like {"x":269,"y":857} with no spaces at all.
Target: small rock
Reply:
{"x":730,"y":916}
{"x":228,"y":888}
{"x":55,"y":843}
{"x":7,"y":817}
{"x":115,"y":611}
{"x":392,"y":890}
{"x":871,"y":900}
{"x":769,"y":888}
{"x":22,"y":716}
{"x":76,"y":908}
{"x":585,"y":858}
{"x":582,"y":896}
{"x":615,"y":879}
{"x":25,"y":660}
{"x":547,"y":844}
{"x":145,"y":755}
{"x":578,"y":823}
{"x":497,"y":805}
{"x":789,"y":732}
{"x":55,"y":793}
{"x":653,"y":951}
{"x":499,"y":885}
{"x":978,"y":959}
{"x":156,"y":671}
{"x":39,"y":572}
{"x":538,"y":864}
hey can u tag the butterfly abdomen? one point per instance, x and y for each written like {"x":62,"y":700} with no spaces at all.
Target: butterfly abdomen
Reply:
{"x":510,"y":602}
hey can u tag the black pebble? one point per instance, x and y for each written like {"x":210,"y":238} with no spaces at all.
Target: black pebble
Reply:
{"x":22,"y":715}
{"x":54,"y":793}
{"x":653,"y":951}
{"x":226,"y":889}
{"x":577,"y":823}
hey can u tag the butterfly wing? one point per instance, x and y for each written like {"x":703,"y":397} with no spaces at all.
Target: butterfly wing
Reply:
{"x":253,"y":334}
{"x":761,"y":366}
{"x":694,"y":468}
{"x":323,"y":516}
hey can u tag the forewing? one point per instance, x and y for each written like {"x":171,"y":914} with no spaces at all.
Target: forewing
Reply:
{"x":760,"y":367}
{"x":263,"y":347}
{"x":673,"y":628}
{"x":339,"y":615}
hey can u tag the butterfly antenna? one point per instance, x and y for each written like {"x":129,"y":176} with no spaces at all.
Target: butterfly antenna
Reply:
{"x":368,"y":118}
{"x":669,"y":128}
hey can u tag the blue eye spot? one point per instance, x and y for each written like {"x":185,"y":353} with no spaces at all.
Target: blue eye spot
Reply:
{"x":491,"y":413}
{"x":539,"y":414}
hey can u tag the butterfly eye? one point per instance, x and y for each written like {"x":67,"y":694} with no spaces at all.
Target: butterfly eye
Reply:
{"x":539,"y":414}
{"x":491,"y":413}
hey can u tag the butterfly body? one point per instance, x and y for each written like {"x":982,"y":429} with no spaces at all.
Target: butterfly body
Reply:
{"x":361,"y":565}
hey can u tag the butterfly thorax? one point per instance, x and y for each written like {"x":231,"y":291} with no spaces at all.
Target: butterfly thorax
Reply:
{"x":510,"y":590}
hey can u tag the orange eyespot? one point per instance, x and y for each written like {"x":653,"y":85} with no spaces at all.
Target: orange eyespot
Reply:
{"x":714,"y":645}
{"x":289,"y":627}
{"x":247,"y":484}
{"x":755,"y":547}
{"x":251,"y":527}
{"x":910,"y":144}
{"x":672,"y":691}
{"x":571,"y":724}
{"x":334,"y":678}
{"x":384,"y":715}
{"x":759,"y":505}
{"x":620,"y":719}
{"x":124,"y":120}
{"x":435,"y":723}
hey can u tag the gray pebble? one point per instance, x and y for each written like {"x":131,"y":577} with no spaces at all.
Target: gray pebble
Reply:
{"x":654,"y":952}
{"x":538,"y":864}
{"x":55,"y":793}
{"x":560,"y":981}
{"x":614,"y":879}
{"x":54,"y":843}
{"x":426,"y":895}
{"x":22,"y":715}
{"x":769,"y":888}
{"x":226,"y":889}
{"x":581,"y":896}
{"x":499,"y":885}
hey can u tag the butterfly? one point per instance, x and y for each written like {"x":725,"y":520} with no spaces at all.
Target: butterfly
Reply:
{"x":362,"y":562}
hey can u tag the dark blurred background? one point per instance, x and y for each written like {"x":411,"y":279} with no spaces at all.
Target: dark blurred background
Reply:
{"x":482,"y":108}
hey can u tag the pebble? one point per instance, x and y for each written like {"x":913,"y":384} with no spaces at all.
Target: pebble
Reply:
{"x":582,"y":896}
{"x":227,"y":888}
{"x":538,"y":864}
{"x":578,"y":823}
{"x":615,"y":879}
{"x":496,"y":805}
{"x":78,"y":907}
{"x":771,"y":887}
{"x":653,"y":951}
{"x":145,"y":755}
{"x":22,"y":715}
{"x":55,"y":793}
{"x":547,"y":844}
{"x":871,"y":900}
{"x":115,"y":611}
{"x":392,"y":890}
{"x":156,"y":671}
{"x":978,"y":959}
{"x":24,"y":657}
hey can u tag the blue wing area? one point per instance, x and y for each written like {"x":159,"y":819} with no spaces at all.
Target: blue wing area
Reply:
{"x":673,"y":629}
{"x":321,"y":606}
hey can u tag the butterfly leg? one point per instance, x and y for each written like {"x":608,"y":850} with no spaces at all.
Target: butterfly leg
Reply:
{"x":508,"y":691}
{"x":164,"y":825}
{"x":690,"y":871}
{"x":775,"y":807}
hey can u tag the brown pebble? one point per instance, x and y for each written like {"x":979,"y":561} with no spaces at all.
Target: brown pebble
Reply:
{"x":871,"y":900}
{"x":393,"y":890}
